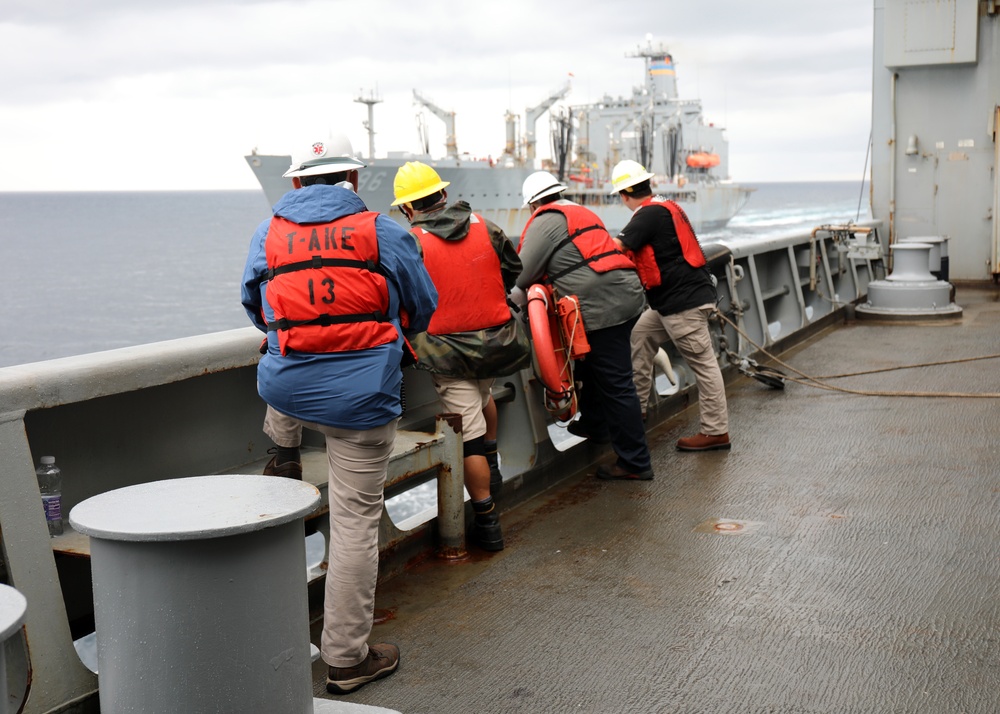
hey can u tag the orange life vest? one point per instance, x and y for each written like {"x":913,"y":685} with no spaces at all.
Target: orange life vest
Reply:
{"x":325,"y":285}
{"x":644,"y":258}
{"x":466,"y":273}
{"x":588,"y":234}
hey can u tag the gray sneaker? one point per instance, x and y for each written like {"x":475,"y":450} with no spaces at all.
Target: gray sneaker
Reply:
{"x":381,"y":661}
{"x":289,"y":469}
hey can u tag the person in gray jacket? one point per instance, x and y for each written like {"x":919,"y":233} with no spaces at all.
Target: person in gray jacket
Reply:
{"x":567,"y":246}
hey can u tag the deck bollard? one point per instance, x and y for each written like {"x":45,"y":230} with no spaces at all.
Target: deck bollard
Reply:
{"x":12,"y":609}
{"x":199,"y":596}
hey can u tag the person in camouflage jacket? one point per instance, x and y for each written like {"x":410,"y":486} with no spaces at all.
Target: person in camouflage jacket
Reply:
{"x":473,"y":337}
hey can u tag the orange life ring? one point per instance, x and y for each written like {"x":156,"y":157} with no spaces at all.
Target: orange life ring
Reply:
{"x":555,"y":367}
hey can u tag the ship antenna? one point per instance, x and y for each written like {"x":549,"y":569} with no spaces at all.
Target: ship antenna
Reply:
{"x":371,"y":100}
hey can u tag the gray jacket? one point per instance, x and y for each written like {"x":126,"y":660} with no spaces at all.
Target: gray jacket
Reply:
{"x":606,"y":299}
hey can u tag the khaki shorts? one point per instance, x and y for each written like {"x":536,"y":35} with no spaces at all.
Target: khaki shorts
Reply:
{"x":467,"y":397}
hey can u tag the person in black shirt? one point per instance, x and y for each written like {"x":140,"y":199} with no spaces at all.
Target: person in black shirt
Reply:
{"x":681,"y":296}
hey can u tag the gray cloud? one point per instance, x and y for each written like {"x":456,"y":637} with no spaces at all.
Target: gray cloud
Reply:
{"x":140,"y":58}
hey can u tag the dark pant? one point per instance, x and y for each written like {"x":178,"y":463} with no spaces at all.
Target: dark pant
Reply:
{"x":608,"y":401}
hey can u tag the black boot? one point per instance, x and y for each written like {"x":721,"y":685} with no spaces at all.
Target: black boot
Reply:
{"x":486,"y":531}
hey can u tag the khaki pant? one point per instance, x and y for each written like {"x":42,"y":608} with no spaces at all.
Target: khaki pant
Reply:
{"x":359,"y":461}
{"x":467,"y":397}
{"x":689,"y":332}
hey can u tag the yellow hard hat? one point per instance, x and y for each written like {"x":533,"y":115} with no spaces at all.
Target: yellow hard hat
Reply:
{"x":415,"y":180}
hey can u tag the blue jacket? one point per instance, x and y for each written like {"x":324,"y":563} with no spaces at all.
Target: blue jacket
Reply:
{"x":349,"y":390}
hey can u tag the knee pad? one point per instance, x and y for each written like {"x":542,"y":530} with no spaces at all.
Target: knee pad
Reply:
{"x":474,"y":447}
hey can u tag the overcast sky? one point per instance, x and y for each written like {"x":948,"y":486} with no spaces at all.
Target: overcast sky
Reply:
{"x":146,"y":94}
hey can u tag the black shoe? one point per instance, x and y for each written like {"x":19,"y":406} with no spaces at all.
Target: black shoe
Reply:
{"x":486,"y":532}
{"x":381,"y":661}
{"x":576,"y":428}
{"x":617,"y":473}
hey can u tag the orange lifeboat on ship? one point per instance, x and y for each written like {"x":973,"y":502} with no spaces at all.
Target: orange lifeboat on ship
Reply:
{"x":582,"y":177}
{"x":702,"y":160}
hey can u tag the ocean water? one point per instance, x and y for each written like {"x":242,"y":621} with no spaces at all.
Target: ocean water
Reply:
{"x":96,"y":271}
{"x":88,"y":272}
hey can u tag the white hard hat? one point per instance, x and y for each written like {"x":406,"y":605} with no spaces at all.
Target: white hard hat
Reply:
{"x":628,"y":173}
{"x":539,"y":185}
{"x":326,"y":156}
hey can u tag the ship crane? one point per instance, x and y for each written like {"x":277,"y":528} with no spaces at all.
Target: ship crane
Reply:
{"x":511,"y":151}
{"x":451,"y":144}
{"x":532,"y":114}
{"x":425,"y":142}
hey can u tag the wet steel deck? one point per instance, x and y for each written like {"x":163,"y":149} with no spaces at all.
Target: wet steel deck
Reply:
{"x":866,"y":577}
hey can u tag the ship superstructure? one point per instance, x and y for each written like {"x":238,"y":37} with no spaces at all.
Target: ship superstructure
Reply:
{"x":669,"y":135}
{"x":666,"y":134}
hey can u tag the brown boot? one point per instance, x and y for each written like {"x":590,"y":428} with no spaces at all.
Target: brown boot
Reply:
{"x":381,"y":661}
{"x":704,"y":442}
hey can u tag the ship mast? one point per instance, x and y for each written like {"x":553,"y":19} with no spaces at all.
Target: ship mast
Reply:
{"x":660,"y":86}
{"x":661,"y":81}
{"x":371,"y":100}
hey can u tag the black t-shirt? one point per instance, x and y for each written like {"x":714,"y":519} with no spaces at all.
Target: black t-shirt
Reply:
{"x":682,"y":287}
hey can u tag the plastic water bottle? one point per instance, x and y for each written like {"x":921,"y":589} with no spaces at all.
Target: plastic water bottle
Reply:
{"x":50,"y":485}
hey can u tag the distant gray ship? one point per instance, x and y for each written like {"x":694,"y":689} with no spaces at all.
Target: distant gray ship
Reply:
{"x":667,"y":135}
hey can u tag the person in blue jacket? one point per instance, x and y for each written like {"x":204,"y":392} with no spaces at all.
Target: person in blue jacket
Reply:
{"x":335,"y":286}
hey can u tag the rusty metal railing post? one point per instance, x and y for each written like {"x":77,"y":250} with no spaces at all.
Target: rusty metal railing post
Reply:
{"x":451,"y":489}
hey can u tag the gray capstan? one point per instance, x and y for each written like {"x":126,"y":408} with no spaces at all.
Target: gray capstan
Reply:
{"x":911,"y":291}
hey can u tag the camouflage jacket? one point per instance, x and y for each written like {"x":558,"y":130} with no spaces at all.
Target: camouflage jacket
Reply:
{"x":478,"y":354}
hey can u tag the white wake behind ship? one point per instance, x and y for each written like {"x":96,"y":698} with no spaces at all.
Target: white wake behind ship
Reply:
{"x":668,"y":135}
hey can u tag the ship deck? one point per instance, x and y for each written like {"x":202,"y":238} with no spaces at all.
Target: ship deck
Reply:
{"x":843,"y":557}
